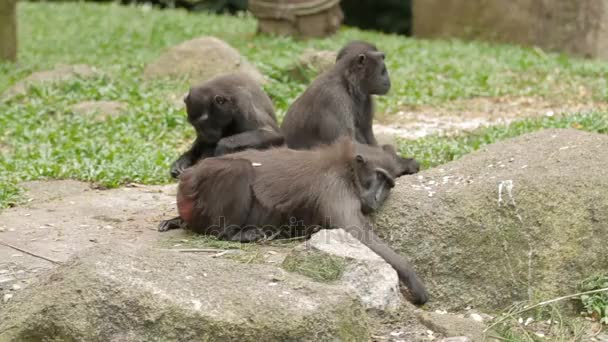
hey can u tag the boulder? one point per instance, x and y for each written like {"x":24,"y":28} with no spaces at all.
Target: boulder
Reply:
{"x":60,"y":73}
{"x":522,"y":219}
{"x":577,"y":27}
{"x":370,"y":278}
{"x":199,"y":60}
{"x":121,"y":293}
{"x":312,"y":63}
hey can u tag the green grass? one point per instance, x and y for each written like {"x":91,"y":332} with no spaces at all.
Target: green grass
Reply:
{"x":596,"y":304}
{"x":41,"y":138}
{"x":317,"y":266}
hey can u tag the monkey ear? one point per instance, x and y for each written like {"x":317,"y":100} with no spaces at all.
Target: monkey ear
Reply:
{"x":361,"y":59}
{"x":187,"y":97}
{"x":388,"y":148}
{"x":359,"y":158}
{"x":219,"y":99}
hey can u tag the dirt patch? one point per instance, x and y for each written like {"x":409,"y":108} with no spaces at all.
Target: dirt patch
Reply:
{"x":469,"y":114}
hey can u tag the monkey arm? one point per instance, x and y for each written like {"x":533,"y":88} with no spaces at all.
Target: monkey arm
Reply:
{"x":258,"y":139}
{"x":198,"y":151}
{"x":359,"y":227}
{"x":367,"y":135}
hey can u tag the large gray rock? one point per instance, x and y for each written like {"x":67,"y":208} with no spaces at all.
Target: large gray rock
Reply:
{"x":578,"y":27}
{"x":199,"y":60}
{"x":119,"y":293}
{"x":522,"y":219}
{"x":371,"y":278}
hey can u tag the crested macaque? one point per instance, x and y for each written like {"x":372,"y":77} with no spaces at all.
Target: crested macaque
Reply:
{"x":251,"y":195}
{"x":339,"y":102}
{"x":230,"y":113}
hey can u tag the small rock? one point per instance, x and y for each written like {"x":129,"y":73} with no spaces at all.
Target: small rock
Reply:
{"x":102,"y":109}
{"x":452,"y":325}
{"x":476,"y":317}
{"x":16,"y":287}
{"x":201,"y":59}
{"x":456,"y":339}
{"x":312,"y":63}
{"x":7,"y":297}
{"x":60,"y":73}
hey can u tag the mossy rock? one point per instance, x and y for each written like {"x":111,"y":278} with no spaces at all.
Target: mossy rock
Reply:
{"x":117,"y":293}
{"x":523,"y":219}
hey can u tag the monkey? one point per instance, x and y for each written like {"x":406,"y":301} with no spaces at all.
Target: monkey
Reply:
{"x":248,"y":195}
{"x":339,"y":101}
{"x":230,"y":113}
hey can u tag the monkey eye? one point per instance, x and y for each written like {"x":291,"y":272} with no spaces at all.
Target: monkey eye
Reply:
{"x":220,"y":100}
{"x":361,"y":59}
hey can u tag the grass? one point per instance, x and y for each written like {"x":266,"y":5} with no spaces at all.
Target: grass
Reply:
{"x":317,"y":266}
{"x":40,"y":137}
{"x":595,"y":305}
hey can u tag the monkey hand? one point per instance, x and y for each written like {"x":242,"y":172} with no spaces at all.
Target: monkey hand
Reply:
{"x":223,"y":147}
{"x":178,"y":167}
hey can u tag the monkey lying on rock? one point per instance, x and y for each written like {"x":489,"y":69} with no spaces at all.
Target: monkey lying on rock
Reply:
{"x":249,"y":195}
{"x":230,"y":113}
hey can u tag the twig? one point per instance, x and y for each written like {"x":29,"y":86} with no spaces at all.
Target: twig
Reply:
{"x":545,"y":303}
{"x":198,"y":250}
{"x":265,"y":242}
{"x":31,"y":253}
{"x":228,"y":251}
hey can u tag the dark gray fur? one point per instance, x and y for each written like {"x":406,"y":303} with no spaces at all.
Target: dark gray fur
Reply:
{"x":230,"y":113}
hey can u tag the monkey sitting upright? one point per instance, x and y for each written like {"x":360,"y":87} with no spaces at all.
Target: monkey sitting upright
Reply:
{"x":339,"y":102}
{"x":230,"y":113}
{"x":248,"y":195}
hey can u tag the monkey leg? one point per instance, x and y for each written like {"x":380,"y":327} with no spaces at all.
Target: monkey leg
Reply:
{"x":174,"y":223}
{"x":257,"y":139}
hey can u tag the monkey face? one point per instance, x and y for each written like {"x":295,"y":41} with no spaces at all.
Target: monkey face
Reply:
{"x":374,"y":184}
{"x":377,"y":79}
{"x":209,"y":112}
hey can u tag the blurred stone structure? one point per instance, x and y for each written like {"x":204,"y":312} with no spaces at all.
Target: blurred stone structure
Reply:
{"x":300,"y":18}
{"x":578,"y":27}
{"x":8,"y":30}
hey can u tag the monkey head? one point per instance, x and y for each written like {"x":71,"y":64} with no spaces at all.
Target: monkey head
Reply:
{"x":354,"y":48}
{"x":211,"y":111}
{"x":368,"y":64}
{"x":372,"y":181}
{"x":375,"y":80}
